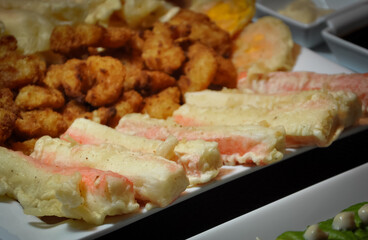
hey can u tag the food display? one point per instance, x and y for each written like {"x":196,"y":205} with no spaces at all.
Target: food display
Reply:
{"x":350,"y":223}
{"x":135,"y":109}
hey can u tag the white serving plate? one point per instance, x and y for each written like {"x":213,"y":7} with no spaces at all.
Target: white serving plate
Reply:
{"x":295,"y":212}
{"x":307,"y":35}
{"x":16,"y":225}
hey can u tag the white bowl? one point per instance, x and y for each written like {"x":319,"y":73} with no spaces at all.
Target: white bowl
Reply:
{"x":307,"y":35}
{"x":347,"y":53}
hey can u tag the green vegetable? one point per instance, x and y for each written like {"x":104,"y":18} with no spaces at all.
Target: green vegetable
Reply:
{"x":361,"y":233}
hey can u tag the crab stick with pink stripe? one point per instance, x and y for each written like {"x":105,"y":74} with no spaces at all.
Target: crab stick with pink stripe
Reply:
{"x":314,"y":122}
{"x":348,"y":104}
{"x":200,"y":159}
{"x":72,"y":192}
{"x":248,"y":145}
{"x":155,"y":179}
{"x":278,"y":82}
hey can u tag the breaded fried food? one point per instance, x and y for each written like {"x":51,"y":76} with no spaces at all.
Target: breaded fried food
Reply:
{"x":204,"y":30}
{"x":8,"y":44}
{"x":7,"y":100}
{"x":35,"y":97}
{"x":68,"y":77}
{"x":115,"y":37}
{"x":37,"y":123}
{"x":160,"y":52}
{"x":26,"y":146}
{"x":130,"y":102}
{"x":7,"y":123}
{"x":73,"y":110}
{"x":17,"y":70}
{"x":200,"y":70}
{"x":163,"y":104}
{"x":66,"y":39}
{"x":226,"y":74}
{"x":108,"y":74}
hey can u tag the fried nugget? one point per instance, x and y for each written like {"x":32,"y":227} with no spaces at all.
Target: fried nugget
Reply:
{"x":68,"y":77}
{"x":34,"y":97}
{"x":226,"y":74}
{"x":108,"y":74}
{"x":115,"y":37}
{"x":37,"y":123}
{"x":66,"y":39}
{"x":130,"y":102}
{"x":26,"y":146}
{"x":73,"y":110}
{"x":204,"y":30}
{"x":7,"y":124}
{"x":160,"y":52}
{"x":163,"y":104}
{"x":7,"y":101}
{"x":8,"y":44}
{"x":200,"y":70}
{"x":17,"y":70}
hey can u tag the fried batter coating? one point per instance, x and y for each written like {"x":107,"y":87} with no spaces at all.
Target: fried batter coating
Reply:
{"x":200,"y":70}
{"x":33,"y":97}
{"x":226,"y":74}
{"x":17,"y":70}
{"x":7,"y":123}
{"x":163,"y":104}
{"x":130,"y":102}
{"x":204,"y":30}
{"x":160,"y":52}
{"x":108,"y":74}
{"x":8,"y":44}
{"x":66,"y":39}
{"x":73,"y":110}
{"x":7,"y":100}
{"x":26,"y":146}
{"x":115,"y":37}
{"x":68,"y":77}
{"x":37,"y":123}
{"x":148,"y":82}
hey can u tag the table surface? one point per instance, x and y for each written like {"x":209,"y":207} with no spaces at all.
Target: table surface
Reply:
{"x":252,"y":191}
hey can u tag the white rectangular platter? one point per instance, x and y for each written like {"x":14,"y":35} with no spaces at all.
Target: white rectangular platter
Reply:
{"x":16,"y":225}
{"x":295,"y":212}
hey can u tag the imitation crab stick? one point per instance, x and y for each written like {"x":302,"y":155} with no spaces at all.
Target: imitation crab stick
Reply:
{"x":348,"y":104}
{"x":79,"y":193}
{"x":200,"y":159}
{"x":314,"y":122}
{"x":237,"y":144}
{"x":155,"y":179}
{"x":278,"y":82}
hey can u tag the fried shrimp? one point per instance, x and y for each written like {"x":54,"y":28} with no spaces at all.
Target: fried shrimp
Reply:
{"x":160,"y":52}
{"x":68,"y":77}
{"x":226,"y":74}
{"x":130,"y":102}
{"x":200,"y":70}
{"x":35,"y":97}
{"x":163,"y":104}
{"x":17,"y":71}
{"x":37,"y":123}
{"x":7,"y":123}
{"x":204,"y":30}
{"x":66,"y":39}
{"x":108,"y":74}
{"x":8,"y":44}
{"x":26,"y":146}
{"x":115,"y":37}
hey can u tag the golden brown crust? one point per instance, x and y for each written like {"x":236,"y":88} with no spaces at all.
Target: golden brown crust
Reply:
{"x":34,"y":97}
{"x":163,"y":104}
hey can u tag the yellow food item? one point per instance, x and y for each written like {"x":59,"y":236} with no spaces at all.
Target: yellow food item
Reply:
{"x":230,"y":15}
{"x":264,"y":46}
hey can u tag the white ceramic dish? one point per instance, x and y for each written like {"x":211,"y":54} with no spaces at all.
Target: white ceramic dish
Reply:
{"x":16,"y":225}
{"x":307,"y":35}
{"x":295,"y":212}
{"x":347,"y":53}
